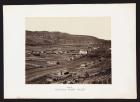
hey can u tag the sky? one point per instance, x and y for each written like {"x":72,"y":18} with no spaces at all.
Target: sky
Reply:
{"x":94,"y":26}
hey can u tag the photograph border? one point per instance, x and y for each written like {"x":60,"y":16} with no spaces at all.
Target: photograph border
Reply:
{"x":36,"y":2}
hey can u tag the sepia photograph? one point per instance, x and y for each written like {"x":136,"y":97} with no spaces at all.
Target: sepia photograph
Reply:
{"x":76,"y":51}
{"x":68,"y":50}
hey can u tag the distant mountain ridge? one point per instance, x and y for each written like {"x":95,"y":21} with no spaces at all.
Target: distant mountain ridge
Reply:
{"x":46,"y":37}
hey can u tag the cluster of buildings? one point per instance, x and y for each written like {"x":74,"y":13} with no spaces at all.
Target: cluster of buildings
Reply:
{"x":68,"y":55}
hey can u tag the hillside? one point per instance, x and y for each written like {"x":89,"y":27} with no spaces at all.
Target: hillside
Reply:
{"x":45,"y":37}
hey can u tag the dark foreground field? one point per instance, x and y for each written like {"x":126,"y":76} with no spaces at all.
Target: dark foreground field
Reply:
{"x":61,"y":58}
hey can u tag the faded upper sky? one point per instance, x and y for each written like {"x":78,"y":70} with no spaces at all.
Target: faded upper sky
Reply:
{"x":95,"y":26}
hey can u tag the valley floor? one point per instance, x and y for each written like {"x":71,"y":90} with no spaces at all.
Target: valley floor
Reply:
{"x":67,"y":65}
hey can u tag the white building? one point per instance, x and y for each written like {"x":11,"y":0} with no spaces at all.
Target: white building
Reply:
{"x":52,"y":62}
{"x":83,"y":52}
